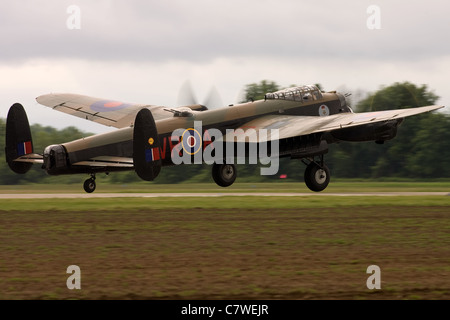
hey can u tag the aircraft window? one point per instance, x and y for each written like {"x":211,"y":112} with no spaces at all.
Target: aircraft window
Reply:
{"x":317,"y":95}
{"x":301,"y":94}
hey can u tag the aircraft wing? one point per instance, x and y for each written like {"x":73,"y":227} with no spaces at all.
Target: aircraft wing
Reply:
{"x":107,"y":112}
{"x":291,"y":126}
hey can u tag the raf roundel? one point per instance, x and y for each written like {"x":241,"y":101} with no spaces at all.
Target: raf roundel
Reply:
{"x":324,"y":111}
{"x":191,"y":141}
{"x":108,"y":105}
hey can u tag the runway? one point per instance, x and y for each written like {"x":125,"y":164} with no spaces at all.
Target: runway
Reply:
{"x":231,"y":194}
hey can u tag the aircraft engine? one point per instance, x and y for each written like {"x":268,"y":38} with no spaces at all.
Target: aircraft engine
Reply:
{"x":55,"y":159}
{"x":378,"y":132}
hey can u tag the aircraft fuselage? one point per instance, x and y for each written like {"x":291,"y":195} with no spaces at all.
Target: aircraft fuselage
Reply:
{"x":119,"y":143}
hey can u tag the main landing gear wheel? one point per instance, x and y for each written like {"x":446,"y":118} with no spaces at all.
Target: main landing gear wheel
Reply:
{"x":224,"y":174}
{"x":89,"y":185}
{"x":317,"y":177}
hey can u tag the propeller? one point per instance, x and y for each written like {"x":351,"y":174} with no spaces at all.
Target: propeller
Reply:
{"x":186,"y":97}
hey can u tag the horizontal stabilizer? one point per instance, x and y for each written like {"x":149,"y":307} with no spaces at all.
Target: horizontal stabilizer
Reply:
{"x":107,"y":161}
{"x":31,"y":158}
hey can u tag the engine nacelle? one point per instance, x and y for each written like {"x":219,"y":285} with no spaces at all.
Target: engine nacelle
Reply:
{"x":55,"y":160}
{"x":379,"y":132}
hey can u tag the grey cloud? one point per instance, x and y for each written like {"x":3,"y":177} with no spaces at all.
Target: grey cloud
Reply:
{"x":204,"y":30}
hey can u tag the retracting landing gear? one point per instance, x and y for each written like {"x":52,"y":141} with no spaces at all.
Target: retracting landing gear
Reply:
{"x":317,"y":175}
{"x":224,"y":174}
{"x":89,"y":184}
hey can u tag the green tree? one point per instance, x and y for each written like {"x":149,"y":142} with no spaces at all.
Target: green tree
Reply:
{"x":256,"y":91}
{"x":398,"y":96}
{"x":429,"y":155}
{"x":418,"y":138}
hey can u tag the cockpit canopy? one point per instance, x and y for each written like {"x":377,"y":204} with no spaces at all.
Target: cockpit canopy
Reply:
{"x":302,"y":94}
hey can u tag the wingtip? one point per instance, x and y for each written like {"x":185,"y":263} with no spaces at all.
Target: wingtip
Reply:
{"x":433,"y":107}
{"x":438,"y":107}
{"x":41,"y":97}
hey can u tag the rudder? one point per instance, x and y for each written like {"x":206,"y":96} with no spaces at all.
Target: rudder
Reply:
{"x":146,"y":151}
{"x":18,"y":139}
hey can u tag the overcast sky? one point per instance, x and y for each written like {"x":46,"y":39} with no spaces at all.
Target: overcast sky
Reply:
{"x":143,"y":51}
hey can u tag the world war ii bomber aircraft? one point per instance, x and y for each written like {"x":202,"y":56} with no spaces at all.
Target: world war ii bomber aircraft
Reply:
{"x":298,"y":122}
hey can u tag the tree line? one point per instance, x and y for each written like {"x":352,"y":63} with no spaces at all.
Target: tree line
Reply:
{"x":421,"y":149}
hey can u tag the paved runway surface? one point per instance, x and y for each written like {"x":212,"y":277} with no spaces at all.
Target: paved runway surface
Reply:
{"x":247,"y":194}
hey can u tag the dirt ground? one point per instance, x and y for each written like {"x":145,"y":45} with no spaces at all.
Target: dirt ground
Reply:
{"x":227,"y":254}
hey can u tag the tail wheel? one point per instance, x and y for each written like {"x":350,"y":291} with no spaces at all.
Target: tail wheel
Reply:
{"x":317,"y":177}
{"x":224,"y":174}
{"x":89,"y":185}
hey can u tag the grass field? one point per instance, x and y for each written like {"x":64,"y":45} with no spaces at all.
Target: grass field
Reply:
{"x":144,"y":187}
{"x":305,"y":247}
